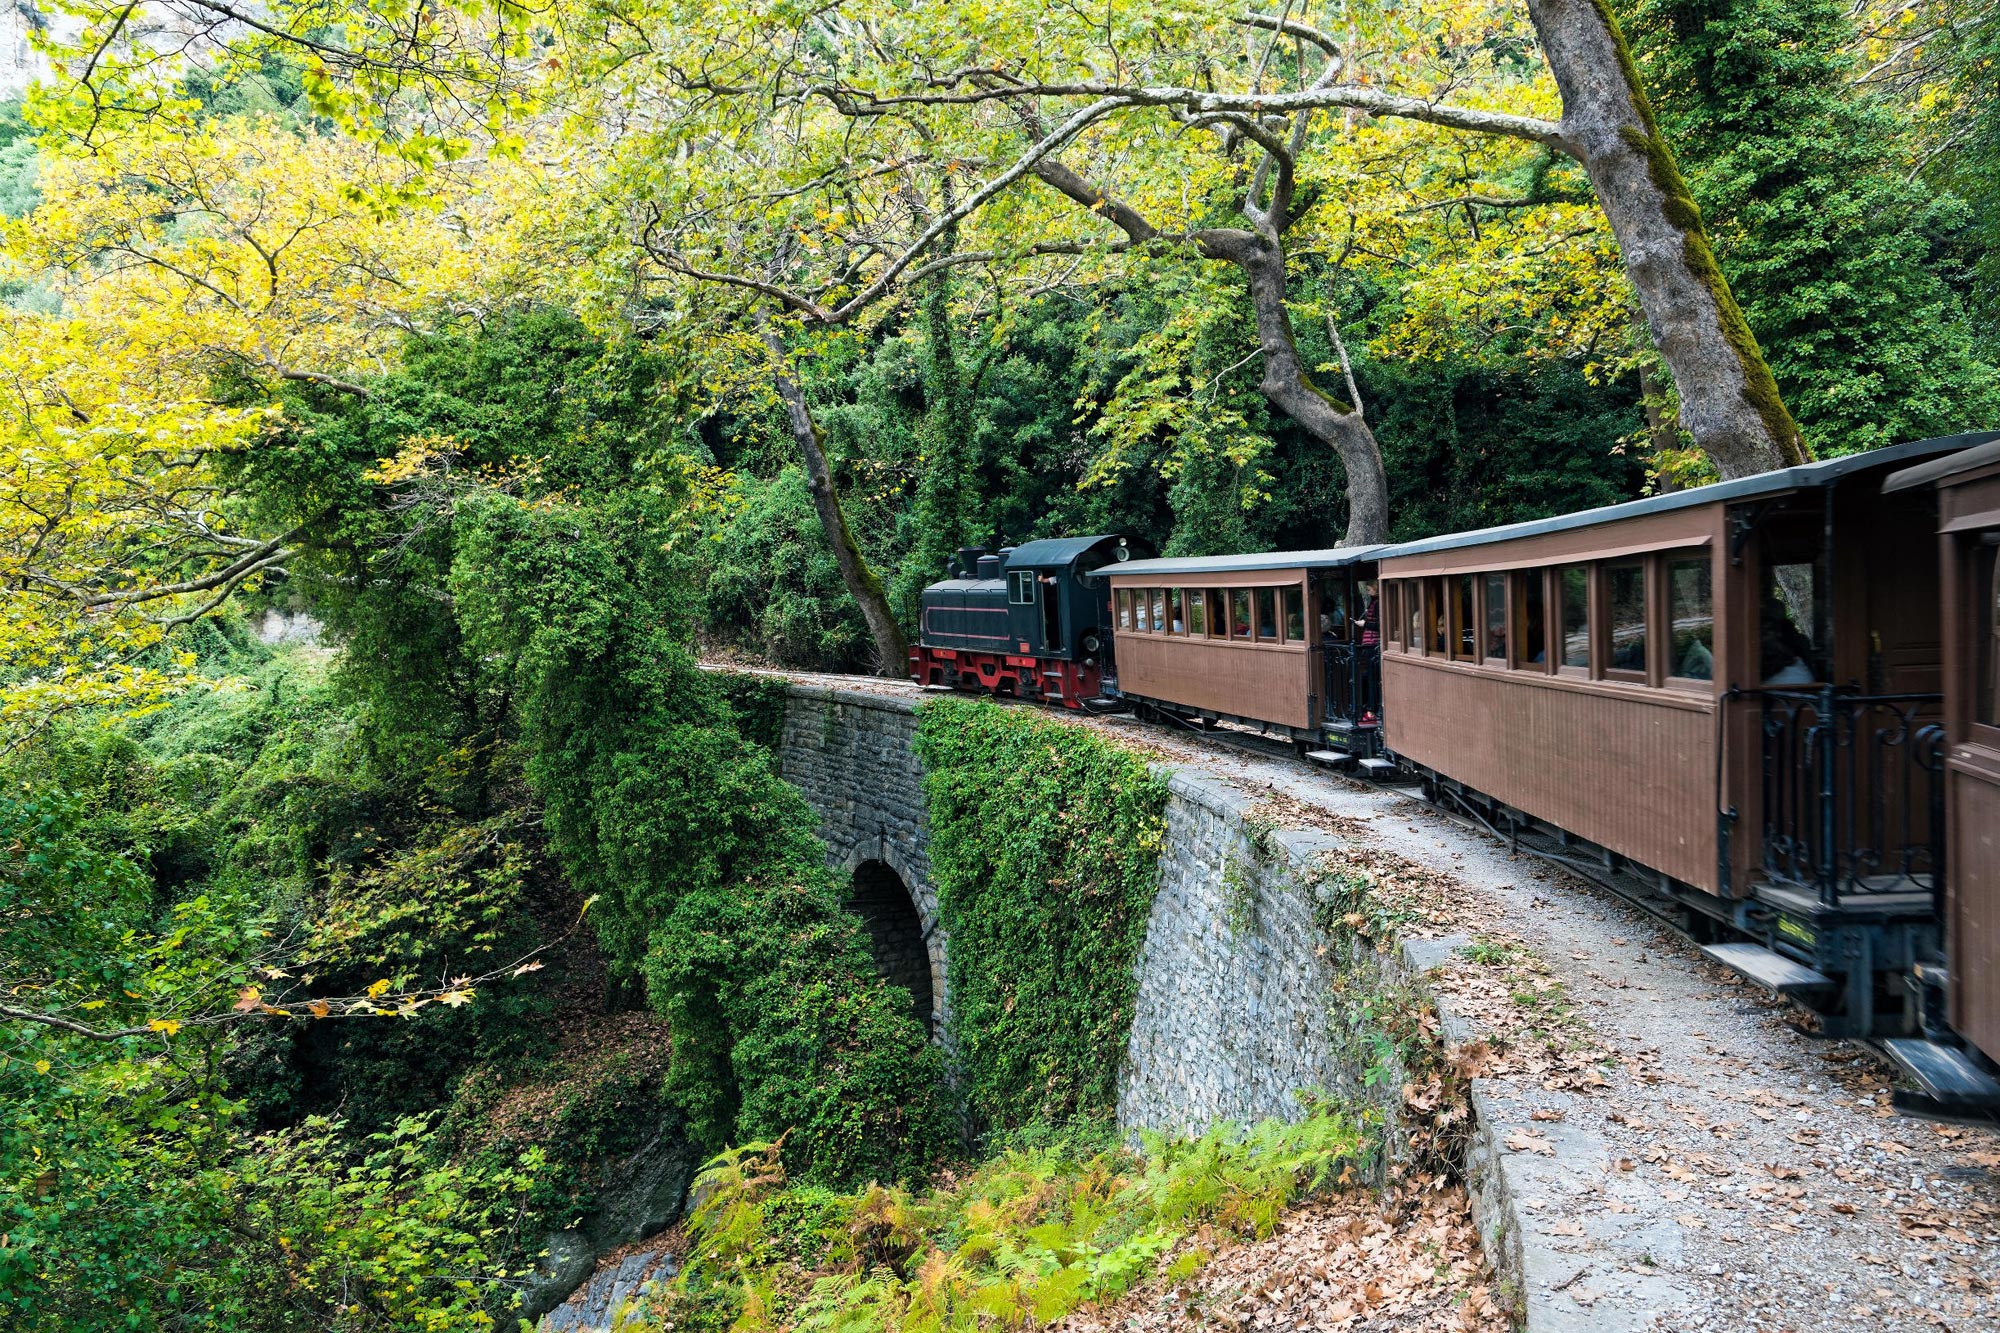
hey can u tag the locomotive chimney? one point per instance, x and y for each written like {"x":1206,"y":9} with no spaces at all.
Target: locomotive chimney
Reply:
{"x":968,"y":560}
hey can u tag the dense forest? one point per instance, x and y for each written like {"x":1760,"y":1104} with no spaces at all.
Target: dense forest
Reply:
{"x":403,"y":404}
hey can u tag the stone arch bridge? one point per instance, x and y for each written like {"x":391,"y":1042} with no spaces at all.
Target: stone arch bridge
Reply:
{"x":1231,"y":1018}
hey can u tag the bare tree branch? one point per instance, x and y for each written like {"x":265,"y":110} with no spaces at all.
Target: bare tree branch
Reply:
{"x":1346,"y":369}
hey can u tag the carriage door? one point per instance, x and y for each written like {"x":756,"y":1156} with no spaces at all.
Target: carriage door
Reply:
{"x":1973,"y":786}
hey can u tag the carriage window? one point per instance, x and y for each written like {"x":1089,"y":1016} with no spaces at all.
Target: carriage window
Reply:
{"x":1176,"y":618}
{"x":1197,"y":612}
{"x":1986,"y":577}
{"x":1332,"y":608}
{"x":1462,"y":645}
{"x":1020,"y":587}
{"x":1218,"y":614}
{"x":1496,"y":616}
{"x":1690,"y":618}
{"x":1787,"y":619}
{"x":1159,"y":596}
{"x":1392,"y":612}
{"x":1434,"y":618}
{"x":1532,"y":650}
{"x":1413,"y":615}
{"x":1574,"y":587}
{"x":1295,"y":615}
{"x":1124,"y":608}
{"x":1267,"y":614}
{"x":1625,"y":601}
{"x":1239,"y":613}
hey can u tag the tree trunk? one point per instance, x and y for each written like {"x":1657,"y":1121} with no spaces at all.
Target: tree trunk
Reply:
{"x":891,"y":649}
{"x":1289,"y":387}
{"x":1729,"y":401}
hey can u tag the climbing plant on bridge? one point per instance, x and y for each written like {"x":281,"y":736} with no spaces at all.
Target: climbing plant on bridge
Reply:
{"x":1045,"y":847}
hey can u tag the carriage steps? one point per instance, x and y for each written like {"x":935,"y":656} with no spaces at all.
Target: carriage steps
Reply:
{"x":1947,"y":1074}
{"x":1773,"y":971}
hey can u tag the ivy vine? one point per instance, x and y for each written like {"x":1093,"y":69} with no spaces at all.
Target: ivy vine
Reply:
{"x":1045,"y":848}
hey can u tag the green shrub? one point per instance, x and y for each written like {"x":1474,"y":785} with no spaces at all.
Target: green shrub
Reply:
{"x":773,"y":587}
{"x":709,"y":882}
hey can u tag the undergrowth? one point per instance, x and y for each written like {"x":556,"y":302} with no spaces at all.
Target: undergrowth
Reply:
{"x":1026,"y":1237}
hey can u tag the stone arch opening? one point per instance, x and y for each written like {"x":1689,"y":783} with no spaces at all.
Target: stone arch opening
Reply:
{"x":895,"y":933}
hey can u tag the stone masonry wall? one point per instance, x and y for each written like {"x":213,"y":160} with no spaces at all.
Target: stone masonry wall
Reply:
{"x":853,"y":754}
{"x":1232,"y":1013}
{"x":1231,"y":1021}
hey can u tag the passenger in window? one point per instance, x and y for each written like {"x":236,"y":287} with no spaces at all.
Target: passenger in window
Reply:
{"x":1697,"y":663}
{"x":1332,"y":617}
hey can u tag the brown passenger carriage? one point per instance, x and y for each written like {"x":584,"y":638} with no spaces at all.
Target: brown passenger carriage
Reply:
{"x":1967,"y":490}
{"x":1282,"y":641}
{"x":1732,"y":695}
{"x":1732,"y":701}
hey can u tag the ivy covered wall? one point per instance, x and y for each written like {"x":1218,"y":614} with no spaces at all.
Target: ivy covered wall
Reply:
{"x":1045,"y":843}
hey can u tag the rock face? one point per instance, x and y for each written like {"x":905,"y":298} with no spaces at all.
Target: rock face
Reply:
{"x":642,"y":1196}
{"x":595,"y":1307}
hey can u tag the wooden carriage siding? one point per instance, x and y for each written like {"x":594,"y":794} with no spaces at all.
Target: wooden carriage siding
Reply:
{"x":1624,"y":759}
{"x":1968,"y":502}
{"x":1643,"y":763}
{"x":1273,"y":677}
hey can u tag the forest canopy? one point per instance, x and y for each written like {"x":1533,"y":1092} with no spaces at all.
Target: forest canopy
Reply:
{"x":403,"y":403}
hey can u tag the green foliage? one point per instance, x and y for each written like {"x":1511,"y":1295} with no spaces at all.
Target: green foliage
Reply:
{"x":1968,"y":160}
{"x":393,"y":1240}
{"x":603,"y":1098}
{"x":20,"y":159}
{"x":773,"y":586}
{"x":1045,"y":845}
{"x":757,"y":703}
{"x":130,"y":1194}
{"x":1027,"y":1237}
{"x":711,"y":883}
{"x":1832,"y":251}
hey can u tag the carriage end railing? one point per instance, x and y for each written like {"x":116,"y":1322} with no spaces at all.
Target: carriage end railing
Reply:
{"x":1353,"y":681}
{"x":1853,"y":791}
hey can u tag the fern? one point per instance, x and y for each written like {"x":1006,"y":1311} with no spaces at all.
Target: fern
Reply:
{"x":1029,"y":1236}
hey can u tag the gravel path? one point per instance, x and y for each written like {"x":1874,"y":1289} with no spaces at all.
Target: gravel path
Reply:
{"x":1749,"y":1176}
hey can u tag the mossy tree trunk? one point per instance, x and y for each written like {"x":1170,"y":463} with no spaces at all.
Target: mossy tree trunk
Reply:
{"x":1729,"y":401}
{"x":892,"y":650}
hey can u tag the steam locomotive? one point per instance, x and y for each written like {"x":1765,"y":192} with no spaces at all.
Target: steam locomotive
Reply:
{"x":1028,"y":620}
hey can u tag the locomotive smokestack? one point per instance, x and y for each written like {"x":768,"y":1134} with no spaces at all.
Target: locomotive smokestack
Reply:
{"x":968,"y":559}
